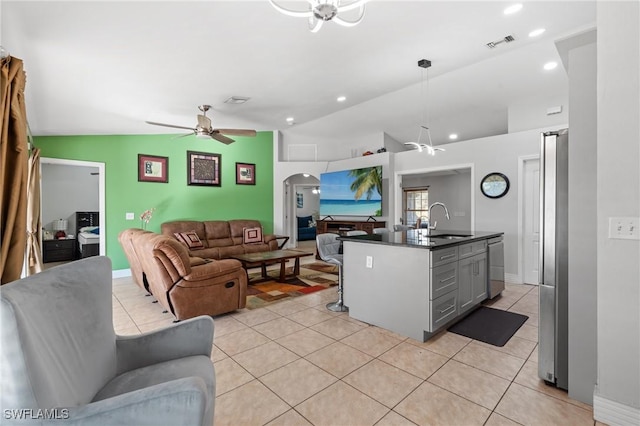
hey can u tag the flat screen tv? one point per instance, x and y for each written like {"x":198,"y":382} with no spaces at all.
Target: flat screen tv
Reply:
{"x":355,"y":192}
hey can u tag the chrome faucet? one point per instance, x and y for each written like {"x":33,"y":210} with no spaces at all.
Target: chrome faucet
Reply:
{"x":435,"y":223}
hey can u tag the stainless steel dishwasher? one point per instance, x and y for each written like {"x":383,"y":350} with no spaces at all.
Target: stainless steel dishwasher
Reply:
{"x":496,"y":266}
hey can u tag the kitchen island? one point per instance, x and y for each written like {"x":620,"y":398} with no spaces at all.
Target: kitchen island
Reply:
{"x":415,"y":283}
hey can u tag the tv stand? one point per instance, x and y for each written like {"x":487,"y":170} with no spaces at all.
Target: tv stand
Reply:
{"x":341,"y":227}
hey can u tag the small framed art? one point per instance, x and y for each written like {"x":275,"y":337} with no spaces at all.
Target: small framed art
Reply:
{"x":245,"y":174}
{"x":203,"y":169}
{"x":152,"y":168}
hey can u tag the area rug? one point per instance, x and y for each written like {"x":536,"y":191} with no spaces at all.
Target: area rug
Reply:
{"x":313,"y":277}
{"x":489,"y":325}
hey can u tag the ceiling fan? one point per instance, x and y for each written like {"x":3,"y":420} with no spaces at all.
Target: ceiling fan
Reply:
{"x":204,"y":129}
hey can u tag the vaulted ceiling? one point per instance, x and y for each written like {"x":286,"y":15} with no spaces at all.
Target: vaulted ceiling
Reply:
{"x":104,"y":67}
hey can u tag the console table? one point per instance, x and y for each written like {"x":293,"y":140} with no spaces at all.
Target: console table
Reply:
{"x":343,"y":226}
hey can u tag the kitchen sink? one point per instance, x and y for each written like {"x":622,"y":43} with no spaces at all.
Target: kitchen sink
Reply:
{"x":449,"y":236}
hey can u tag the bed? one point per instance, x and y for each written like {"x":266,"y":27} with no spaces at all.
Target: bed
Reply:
{"x":88,"y":234}
{"x":88,"y":244}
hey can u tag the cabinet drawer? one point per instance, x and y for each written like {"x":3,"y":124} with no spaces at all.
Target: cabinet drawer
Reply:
{"x":470,"y":249}
{"x":58,"y":250}
{"x":443,"y":309}
{"x":444,"y":278}
{"x":442,"y":256}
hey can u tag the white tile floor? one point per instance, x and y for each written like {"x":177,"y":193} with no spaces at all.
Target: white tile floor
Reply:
{"x":296,"y":363}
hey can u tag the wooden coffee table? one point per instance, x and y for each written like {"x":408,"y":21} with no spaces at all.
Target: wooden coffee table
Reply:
{"x":252,"y":260}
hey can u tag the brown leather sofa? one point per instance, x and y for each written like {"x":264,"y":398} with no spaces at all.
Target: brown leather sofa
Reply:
{"x":188,"y":286}
{"x":221,"y":238}
{"x":126,"y":241}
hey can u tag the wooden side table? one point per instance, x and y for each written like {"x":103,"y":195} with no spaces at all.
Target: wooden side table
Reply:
{"x":58,"y":250}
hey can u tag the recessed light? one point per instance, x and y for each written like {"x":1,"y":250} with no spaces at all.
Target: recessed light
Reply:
{"x":513,"y":9}
{"x":290,"y":120}
{"x":550,"y":65}
{"x":341,"y":98}
{"x":306,"y":174}
{"x":537,"y":32}
{"x":453,"y":136}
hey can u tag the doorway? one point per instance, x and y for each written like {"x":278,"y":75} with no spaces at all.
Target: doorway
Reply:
{"x":69,"y":186}
{"x":530,"y":218}
{"x":302,"y":206}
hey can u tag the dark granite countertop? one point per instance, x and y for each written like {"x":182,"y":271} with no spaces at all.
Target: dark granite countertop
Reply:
{"x":420,"y":239}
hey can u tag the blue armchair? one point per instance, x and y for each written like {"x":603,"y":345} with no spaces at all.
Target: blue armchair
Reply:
{"x":305,"y":231}
{"x":61,"y":359}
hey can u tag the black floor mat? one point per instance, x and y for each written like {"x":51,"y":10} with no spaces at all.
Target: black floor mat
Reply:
{"x":492,"y":326}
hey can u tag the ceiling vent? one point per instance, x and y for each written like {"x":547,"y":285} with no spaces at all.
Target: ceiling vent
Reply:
{"x":507,"y":39}
{"x":236,"y":100}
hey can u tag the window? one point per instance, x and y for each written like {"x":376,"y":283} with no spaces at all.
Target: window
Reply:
{"x":416,"y":205}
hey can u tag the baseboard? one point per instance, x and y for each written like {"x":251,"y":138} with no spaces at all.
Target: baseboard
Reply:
{"x":512,"y":278}
{"x":121,"y":273}
{"x":613,"y":413}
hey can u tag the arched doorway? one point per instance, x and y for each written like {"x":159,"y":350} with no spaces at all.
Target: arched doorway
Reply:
{"x":302,"y":205}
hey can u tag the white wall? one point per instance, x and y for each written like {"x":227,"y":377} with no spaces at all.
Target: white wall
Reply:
{"x":310,"y":201}
{"x":582,"y":240}
{"x":454,"y":191}
{"x":66,"y":190}
{"x":618,"y":194}
{"x":532,"y":113}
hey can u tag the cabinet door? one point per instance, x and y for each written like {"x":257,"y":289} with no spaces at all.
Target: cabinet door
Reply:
{"x":480,"y":278}
{"x":466,"y":268}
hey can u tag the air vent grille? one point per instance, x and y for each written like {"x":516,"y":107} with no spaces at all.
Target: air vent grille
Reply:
{"x":506,"y":39}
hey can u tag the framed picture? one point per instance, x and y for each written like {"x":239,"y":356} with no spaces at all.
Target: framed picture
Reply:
{"x":152,"y":168}
{"x":245,"y":174}
{"x":299,"y":200}
{"x":203,"y":168}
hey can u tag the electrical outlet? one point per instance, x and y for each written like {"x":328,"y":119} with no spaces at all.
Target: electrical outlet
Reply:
{"x":130,"y":216}
{"x":369,"y":261}
{"x":624,"y":228}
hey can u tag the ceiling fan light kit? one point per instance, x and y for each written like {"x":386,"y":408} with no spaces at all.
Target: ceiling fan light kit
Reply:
{"x":204,"y":130}
{"x":320,"y":11}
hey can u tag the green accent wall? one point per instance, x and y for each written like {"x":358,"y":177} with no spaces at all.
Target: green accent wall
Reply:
{"x":174,"y":200}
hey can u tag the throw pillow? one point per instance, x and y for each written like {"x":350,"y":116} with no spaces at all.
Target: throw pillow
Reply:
{"x":189,"y":238}
{"x":252,"y":235}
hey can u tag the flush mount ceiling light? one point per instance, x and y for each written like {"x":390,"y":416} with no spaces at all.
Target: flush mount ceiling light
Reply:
{"x":424,"y":64}
{"x":550,"y":65}
{"x":319,"y":11}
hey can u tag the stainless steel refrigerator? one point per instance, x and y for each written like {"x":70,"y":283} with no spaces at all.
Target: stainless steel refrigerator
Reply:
{"x":553,"y":275}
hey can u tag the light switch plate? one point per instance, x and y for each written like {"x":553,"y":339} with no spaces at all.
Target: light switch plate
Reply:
{"x":130,"y":216}
{"x":624,"y":228}
{"x":369,"y":261}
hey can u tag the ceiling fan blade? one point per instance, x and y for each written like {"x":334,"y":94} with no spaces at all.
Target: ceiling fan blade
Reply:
{"x":221,"y":138}
{"x":237,"y":132}
{"x":182,"y":136}
{"x":204,"y":121}
{"x":170,"y":125}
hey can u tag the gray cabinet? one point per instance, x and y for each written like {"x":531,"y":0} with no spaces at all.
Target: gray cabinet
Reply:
{"x":472,"y":275}
{"x":466,"y":269}
{"x":443,"y":288}
{"x":480,"y":278}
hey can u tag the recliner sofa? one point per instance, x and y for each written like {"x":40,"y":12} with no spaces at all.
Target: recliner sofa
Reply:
{"x":221,"y":238}
{"x":188,"y":286}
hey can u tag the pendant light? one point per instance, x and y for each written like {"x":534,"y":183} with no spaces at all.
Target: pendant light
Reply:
{"x":424,"y":128}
